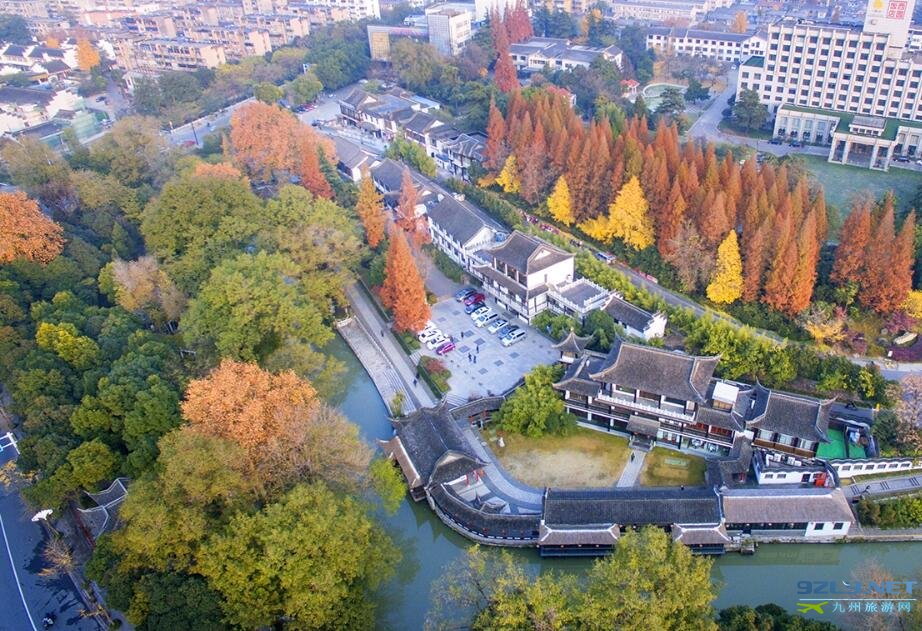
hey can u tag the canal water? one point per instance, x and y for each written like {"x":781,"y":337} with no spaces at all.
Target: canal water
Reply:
{"x":428,"y":546}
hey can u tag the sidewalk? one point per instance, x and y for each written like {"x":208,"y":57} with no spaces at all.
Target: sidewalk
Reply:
{"x":632,"y":469}
{"x":372,"y":321}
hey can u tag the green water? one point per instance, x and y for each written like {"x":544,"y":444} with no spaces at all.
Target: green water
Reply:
{"x":770,"y":575}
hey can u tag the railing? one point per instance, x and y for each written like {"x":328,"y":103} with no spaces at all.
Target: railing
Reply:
{"x":647,"y":408}
{"x":789,"y":449}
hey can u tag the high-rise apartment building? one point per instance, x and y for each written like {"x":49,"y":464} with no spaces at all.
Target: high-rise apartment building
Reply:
{"x":449,"y":29}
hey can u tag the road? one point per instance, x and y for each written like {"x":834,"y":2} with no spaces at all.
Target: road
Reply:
{"x":27,"y":597}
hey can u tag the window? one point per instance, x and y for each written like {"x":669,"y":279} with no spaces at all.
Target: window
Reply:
{"x":839,"y":525}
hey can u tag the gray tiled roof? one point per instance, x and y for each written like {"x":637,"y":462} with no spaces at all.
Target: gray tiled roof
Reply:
{"x":659,"y":371}
{"x":25,"y":96}
{"x":629,"y":506}
{"x":779,"y":506}
{"x":456,"y":219}
{"x":576,"y":378}
{"x":572,"y":343}
{"x":627,"y":314}
{"x":427,"y":435}
{"x":350,"y":154}
{"x":483,"y":522}
{"x":388,"y":174}
{"x":789,"y":414}
{"x":528,"y":254}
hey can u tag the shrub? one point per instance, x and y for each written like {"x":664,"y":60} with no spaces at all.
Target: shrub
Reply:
{"x":434,"y":373}
{"x":447,"y":266}
{"x":554,"y":325}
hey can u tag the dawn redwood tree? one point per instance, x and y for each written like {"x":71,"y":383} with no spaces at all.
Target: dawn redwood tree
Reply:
{"x":808,"y":254}
{"x":406,"y":206}
{"x":403,"y":290}
{"x":873,"y":291}
{"x":220,"y":170}
{"x":504,"y":73}
{"x":727,"y":283}
{"x":370,"y":211}
{"x":495,"y":151}
{"x":25,"y":233}
{"x":306,"y":161}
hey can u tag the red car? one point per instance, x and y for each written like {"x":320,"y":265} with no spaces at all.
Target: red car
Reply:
{"x":445,"y":348}
{"x":474,"y":298}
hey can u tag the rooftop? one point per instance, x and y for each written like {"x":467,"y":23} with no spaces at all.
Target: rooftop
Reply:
{"x":629,"y":506}
{"x":528,"y":254}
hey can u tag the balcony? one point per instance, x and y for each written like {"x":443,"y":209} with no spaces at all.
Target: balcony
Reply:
{"x":647,"y":407}
{"x":788,"y":449}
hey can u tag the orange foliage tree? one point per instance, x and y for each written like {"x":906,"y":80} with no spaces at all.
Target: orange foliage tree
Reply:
{"x":25,"y":233}
{"x":265,"y":139}
{"x":286,"y":432}
{"x":222,"y":170}
{"x":87,"y":55}
{"x":369,"y":210}
{"x":403,"y":290}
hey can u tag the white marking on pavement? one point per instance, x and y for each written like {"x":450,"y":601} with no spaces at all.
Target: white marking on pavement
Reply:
{"x":16,"y":575}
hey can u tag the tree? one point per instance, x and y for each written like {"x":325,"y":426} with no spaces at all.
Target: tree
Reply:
{"x":692,"y":259}
{"x":41,"y":172}
{"x":403,"y":290}
{"x":627,"y":218}
{"x":853,"y":243}
{"x":313,"y":559}
{"x":306,"y":155}
{"x":15,"y":30}
{"x":727,"y":283}
{"x":87,"y":55}
{"x":25,"y":233}
{"x":286,"y":433}
{"x":370,"y":211}
{"x":740,"y":22}
{"x":696,"y":91}
{"x":406,"y":205}
{"x":495,"y":151}
{"x":535,"y":409}
{"x":134,"y":152}
{"x":196,"y":222}
{"x":504,"y":74}
{"x":268,"y":93}
{"x":220,"y":170}
{"x":559,"y":204}
{"x":767,"y":618}
{"x":508,"y":178}
{"x":304,"y":88}
{"x":250,"y":304}
{"x":749,"y":110}
{"x":671,"y":103}
{"x":142,"y":287}
{"x":412,"y":154}
{"x":909,"y":415}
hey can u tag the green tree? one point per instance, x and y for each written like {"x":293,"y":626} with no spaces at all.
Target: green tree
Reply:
{"x":535,"y":408}
{"x":304,"y":88}
{"x":250,"y":304}
{"x":313,"y":558}
{"x":133,"y":151}
{"x":91,"y":463}
{"x":14,"y":29}
{"x":174,"y":601}
{"x":64,"y":340}
{"x":339,"y":54}
{"x":198,"y":221}
{"x":412,"y":154}
{"x":671,"y":103}
{"x":696,"y":91}
{"x":267,"y":92}
{"x":749,"y":110}
{"x":767,"y":618}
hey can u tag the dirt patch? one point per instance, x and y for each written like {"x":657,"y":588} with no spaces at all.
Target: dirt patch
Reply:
{"x":664,"y":467}
{"x":586,"y":459}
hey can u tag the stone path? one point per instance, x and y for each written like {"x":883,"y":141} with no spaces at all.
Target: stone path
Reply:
{"x":390,"y":355}
{"x":884,"y":486}
{"x":632,"y":469}
{"x":505,"y":486}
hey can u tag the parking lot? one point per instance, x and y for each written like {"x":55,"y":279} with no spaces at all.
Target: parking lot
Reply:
{"x":480,"y":365}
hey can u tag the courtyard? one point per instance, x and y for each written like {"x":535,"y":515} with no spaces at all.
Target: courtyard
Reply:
{"x":480,"y":365}
{"x":587,"y":458}
{"x":841,"y":182}
{"x":667,"y":467}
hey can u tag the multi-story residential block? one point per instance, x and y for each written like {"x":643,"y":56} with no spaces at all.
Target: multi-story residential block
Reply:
{"x":731,"y":47}
{"x":25,"y":8}
{"x":236,"y":42}
{"x":568,"y":6}
{"x":159,"y":24}
{"x":521,"y":271}
{"x":282,"y":29}
{"x":540,"y":53}
{"x":158,"y":55}
{"x":665,"y":10}
{"x":860,"y":71}
{"x":354,"y":9}
{"x":449,"y":29}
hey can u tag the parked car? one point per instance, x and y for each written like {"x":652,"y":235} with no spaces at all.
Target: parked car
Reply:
{"x":506,"y":330}
{"x":435,"y":342}
{"x":486,"y":319}
{"x":427,"y":334}
{"x":446,"y":348}
{"x":471,"y":308}
{"x":497,"y":324}
{"x":483,"y":309}
{"x":462,"y":295}
{"x":796,"y":143}
{"x":776,"y":141}
{"x":512,"y":338}
{"x":475,"y":297}
{"x":605,"y":257}
{"x":901,"y":159}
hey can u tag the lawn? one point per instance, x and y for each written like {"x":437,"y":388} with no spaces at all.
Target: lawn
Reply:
{"x":586,"y":459}
{"x":842,"y":181}
{"x":665,"y":467}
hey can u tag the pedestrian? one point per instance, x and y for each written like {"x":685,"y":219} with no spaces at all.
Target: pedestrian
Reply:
{"x":469,"y":360}
{"x":632,"y":456}
{"x":382,"y":332}
{"x":475,"y":359}
{"x":415,"y":381}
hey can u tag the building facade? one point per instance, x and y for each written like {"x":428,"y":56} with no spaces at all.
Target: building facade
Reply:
{"x":449,"y":30}
{"x":729,"y":47}
{"x":687,"y":11}
{"x":540,"y":53}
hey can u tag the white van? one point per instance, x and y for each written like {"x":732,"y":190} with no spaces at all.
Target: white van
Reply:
{"x":513,"y":337}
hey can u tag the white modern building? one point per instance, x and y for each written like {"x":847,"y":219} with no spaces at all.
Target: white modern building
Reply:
{"x":540,"y":53}
{"x":730,"y":47}
{"x":449,"y":28}
{"x":866,"y":71}
{"x":662,"y":10}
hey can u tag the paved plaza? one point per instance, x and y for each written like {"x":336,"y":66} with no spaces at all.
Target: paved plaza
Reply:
{"x":481,"y":365}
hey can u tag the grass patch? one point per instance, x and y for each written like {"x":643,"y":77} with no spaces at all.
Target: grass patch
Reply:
{"x":731,"y":127}
{"x":841,"y":182}
{"x":586,"y":458}
{"x":665,"y":467}
{"x":408,"y":342}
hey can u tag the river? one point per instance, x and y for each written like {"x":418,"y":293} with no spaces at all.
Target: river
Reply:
{"x":771,"y":575}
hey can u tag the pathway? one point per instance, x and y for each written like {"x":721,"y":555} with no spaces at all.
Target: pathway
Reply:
{"x":884,"y":486}
{"x":390,"y":354}
{"x":632,"y":468}
{"x":500,"y":482}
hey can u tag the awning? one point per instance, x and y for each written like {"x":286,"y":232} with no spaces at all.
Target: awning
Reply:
{"x":641,"y":425}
